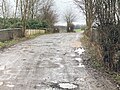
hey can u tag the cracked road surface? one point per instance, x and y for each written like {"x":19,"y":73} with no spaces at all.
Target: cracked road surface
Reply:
{"x":48,"y":62}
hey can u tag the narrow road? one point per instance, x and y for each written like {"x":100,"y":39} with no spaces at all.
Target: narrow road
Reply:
{"x":48,"y":62}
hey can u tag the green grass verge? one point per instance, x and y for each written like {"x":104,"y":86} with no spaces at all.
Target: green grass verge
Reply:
{"x":78,"y":30}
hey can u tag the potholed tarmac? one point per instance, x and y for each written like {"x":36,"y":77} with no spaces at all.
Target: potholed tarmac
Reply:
{"x":48,"y":62}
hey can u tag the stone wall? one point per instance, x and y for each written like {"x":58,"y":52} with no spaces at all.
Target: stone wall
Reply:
{"x":8,"y":34}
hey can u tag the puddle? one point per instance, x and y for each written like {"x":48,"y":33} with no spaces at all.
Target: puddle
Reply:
{"x":82,"y":79}
{"x":61,"y":66}
{"x":2,"y":67}
{"x":78,"y":59}
{"x":79,"y":51}
{"x":10,"y":85}
{"x":72,"y":55}
{"x":64,"y":86}
{"x":81,"y":65}
{"x":59,"y":59}
{"x":68,"y":86}
{"x":7,"y":71}
{"x":1,"y":83}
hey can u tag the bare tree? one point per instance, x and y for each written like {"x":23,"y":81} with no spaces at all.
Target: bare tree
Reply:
{"x":30,"y":9}
{"x":34,"y":8}
{"x":81,"y":5}
{"x":106,"y":15}
{"x":27,"y":9}
{"x":88,"y":8}
{"x":24,"y":4}
{"x":16,"y":7}
{"x":69,"y":17}
{"x":48,"y":14}
{"x":4,"y":11}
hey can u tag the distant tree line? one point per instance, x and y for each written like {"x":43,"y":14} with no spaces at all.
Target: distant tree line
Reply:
{"x":103,"y":17}
{"x":82,"y":27}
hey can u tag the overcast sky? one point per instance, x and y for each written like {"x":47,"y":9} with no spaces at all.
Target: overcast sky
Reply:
{"x":63,"y":5}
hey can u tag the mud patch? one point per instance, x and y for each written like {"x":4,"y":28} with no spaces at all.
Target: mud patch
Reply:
{"x":49,"y":42}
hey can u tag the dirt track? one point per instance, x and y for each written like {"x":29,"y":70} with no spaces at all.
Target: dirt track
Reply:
{"x":49,"y":62}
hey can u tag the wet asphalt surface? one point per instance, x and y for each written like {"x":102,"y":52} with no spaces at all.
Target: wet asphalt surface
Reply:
{"x":45,"y":62}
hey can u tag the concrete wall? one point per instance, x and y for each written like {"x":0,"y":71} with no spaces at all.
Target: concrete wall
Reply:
{"x":8,"y":34}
